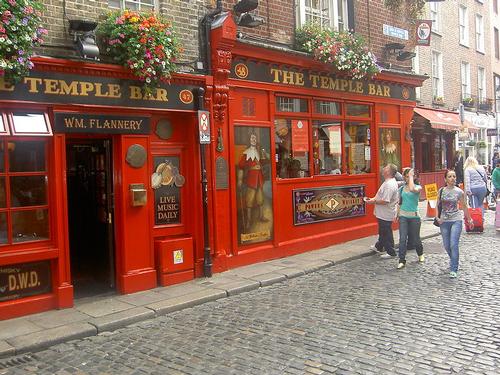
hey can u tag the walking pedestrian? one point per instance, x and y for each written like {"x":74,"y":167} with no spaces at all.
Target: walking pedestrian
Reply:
{"x":475,"y":182}
{"x":495,"y":179}
{"x":458,"y":166}
{"x":450,"y":219}
{"x":385,"y":202}
{"x":409,"y":219}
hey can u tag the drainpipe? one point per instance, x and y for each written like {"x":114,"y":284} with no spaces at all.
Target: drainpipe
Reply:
{"x":207,"y":258}
{"x":206,"y":24}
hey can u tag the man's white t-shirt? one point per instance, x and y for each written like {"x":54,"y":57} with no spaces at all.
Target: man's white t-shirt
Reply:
{"x":387,"y":192}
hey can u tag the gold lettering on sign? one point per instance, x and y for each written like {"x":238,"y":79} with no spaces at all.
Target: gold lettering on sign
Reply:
{"x":4,"y":86}
{"x":168,"y":208}
{"x":160,"y":95}
{"x":23,"y":280}
{"x":287,"y":77}
{"x":72,"y":122}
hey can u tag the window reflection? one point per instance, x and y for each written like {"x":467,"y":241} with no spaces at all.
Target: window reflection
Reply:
{"x":29,"y":123}
{"x":327,"y":108}
{"x":286,"y":104}
{"x":327,"y":147}
{"x":3,"y":198}
{"x":32,"y":225}
{"x":28,"y":191}
{"x":357,"y":110}
{"x":357,"y":147}
{"x":26,"y":156}
{"x":292,"y":145}
{"x":3,"y":228}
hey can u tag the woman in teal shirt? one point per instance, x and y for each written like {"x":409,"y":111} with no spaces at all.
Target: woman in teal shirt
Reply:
{"x":409,"y":220}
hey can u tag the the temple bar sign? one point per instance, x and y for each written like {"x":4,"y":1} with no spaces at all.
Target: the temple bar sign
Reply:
{"x":290,"y":76}
{"x":102,"y":124}
{"x":61,"y":88}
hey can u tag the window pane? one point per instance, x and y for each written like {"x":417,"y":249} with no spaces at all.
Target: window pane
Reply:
{"x":3,"y":197}
{"x":30,"y":123}
{"x":327,"y":147}
{"x":26,"y":156}
{"x":358,"y":110}
{"x":357,"y":147}
{"x":30,"y":225}
{"x":327,"y":108}
{"x":3,"y":228}
{"x":285,"y":104}
{"x":2,"y":157}
{"x":292,"y":145}
{"x":114,"y":3}
{"x":28,"y":191}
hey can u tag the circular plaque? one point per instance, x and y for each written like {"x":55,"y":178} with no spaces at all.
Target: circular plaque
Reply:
{"x":136,"y":156}
{"x":164,"y":129}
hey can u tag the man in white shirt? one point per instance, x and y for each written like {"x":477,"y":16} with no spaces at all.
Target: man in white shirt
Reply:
{"x":385,"y":202}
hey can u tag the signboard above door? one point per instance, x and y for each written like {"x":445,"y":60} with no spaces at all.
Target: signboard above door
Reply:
{"x":100,"y":124}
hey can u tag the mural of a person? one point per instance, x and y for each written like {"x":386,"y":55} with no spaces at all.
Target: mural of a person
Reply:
{"x":389,"y":152}
{"x":250,"y":179}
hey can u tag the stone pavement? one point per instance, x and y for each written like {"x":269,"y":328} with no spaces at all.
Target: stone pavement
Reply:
{"x":360,"y":317}
{"x":96,"y":315}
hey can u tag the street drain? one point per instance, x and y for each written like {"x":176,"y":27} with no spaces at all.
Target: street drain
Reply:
{"x":20,"y":360}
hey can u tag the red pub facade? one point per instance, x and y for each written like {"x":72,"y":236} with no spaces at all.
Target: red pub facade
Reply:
{"x":101,"y":188}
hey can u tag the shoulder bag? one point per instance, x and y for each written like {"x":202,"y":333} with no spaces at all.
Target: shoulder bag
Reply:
{"x":439,"y":208}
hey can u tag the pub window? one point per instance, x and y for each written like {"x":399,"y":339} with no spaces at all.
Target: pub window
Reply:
{"x":3,"y":126}
{"x":287,"y":104}
{"x":357,"y":110}
{"x":24,"y":211}
{"x":292,"y":148}
{"x":25,"y":123}
{"x":323,"y":107}
{"x":327,"y":147}
{"x":357,"y":147}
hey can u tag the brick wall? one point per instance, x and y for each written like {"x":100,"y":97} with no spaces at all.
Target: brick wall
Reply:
{"x":185,"y":15}
{"x":447,"y":43}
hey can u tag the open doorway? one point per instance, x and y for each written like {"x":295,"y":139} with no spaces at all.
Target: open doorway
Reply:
{"x":90,"y":216}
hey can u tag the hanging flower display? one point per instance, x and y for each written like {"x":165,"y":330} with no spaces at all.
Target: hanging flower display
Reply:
{"x":345,"y":51}
{"x":412,"y":9}
{"x":144,"y":43}
{"x":20,"y":31}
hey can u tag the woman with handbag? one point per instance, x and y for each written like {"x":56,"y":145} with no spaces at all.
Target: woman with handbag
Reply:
{"x":450,"y":219}
{"x":475,"y":182}
{"x":409,"y":220}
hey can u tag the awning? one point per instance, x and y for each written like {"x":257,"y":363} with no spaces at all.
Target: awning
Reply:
{"x":471,"y":127}
{"x":439,"y":119}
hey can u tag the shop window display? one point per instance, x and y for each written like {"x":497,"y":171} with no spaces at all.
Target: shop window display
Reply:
{"x":327,"y":147}
{"x":357,"y":147}
{"x":292,"y":148}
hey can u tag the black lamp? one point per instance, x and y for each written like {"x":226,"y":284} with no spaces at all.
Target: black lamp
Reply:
{"x":245,"y":6}
{"x":84,"y":38}
{"x":244,"y":18}
{"x":250,"y":20}
{"x":405,"y":55}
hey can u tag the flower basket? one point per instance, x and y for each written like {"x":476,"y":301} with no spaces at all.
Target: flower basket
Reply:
{"x":481,"y":144}
{"x":345,"y":51}
{"x":144,"y":43}
{"x":438,"y":100}
{"x":468,"y":102}
{"x":20,"y":32}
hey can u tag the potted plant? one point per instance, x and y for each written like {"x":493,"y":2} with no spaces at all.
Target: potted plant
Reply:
{"x":438,"y":100}
{"x":471,"y":143}
{"x":468,"y":102}
{"x":144,"y":43}
{"x":20,"y":32}
{"x":481,"y":144}
{"x":413,"y":8}
{"x":485,"y":105}
{"x":344,"y":51}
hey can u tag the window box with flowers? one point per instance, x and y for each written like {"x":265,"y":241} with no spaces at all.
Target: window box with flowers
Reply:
{"x":20,"y":32}
{"x":468,"y":102}
{"x":439,"y":100}
{"x":144,"y":43}
{"x":481,"y":144}
{"x":344,"y":51}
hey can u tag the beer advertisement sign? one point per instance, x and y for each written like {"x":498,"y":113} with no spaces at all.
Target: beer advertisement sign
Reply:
{"x":328,"y":203}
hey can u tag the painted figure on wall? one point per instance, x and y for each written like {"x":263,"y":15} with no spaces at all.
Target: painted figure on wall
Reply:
{"x":389,"y":151}
{"x":252,"y":170}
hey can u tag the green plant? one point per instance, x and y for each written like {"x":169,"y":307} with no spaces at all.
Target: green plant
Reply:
{"x":20,"y":31}
{"x":438,"y":99}
{"x":481,"y":144}
{"x":471,"y":143}
{"x":345,"y":51}
{"x":144,"y":43}
{"x":468,"y":101}
{"x":412,"y":8}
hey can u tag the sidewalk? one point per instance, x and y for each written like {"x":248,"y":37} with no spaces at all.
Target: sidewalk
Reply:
{"x":99,"y":314}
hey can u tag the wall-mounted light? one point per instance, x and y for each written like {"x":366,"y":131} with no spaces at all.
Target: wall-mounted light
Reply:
{"x":84,"y":38}
{"x":245,"y":6}
{"x":405,"y":55}
{"x":250,"y":20}
{"x":244,"y":18}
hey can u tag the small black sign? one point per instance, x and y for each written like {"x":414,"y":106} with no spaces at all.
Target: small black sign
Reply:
{"x":168,"y":193}
{"x":491,"y":132}
{"x":24,"y":280}
{"x":85,"y":123}
{"x":291,"y":76}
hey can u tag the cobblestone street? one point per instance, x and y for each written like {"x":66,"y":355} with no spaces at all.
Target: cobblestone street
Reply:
{"x":360,"y":317}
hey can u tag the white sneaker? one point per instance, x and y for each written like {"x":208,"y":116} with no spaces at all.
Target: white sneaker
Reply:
{"x":401,"y":265}
{"x":374,"y":249}
{"x":387,"y":256}
{"x":421,"y":258}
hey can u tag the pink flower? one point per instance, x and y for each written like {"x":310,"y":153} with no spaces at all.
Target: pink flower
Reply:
{"x":28,"y":10}
{"x":12,"y":2}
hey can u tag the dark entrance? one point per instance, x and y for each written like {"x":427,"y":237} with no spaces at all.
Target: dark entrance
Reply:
{"x":90,"y":204}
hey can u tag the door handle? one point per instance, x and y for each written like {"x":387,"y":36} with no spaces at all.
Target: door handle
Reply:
{"x":110,"y":218}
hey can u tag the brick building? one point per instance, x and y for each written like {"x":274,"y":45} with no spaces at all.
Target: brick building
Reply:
{"x":105,"y":189}
{"x":459,"y":64}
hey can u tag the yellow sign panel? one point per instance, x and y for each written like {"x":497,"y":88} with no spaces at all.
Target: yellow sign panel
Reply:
{"x":431,"y":191}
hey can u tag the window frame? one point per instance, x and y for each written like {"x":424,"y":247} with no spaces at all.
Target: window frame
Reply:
{"x":463,"y":25}
{"x":481,"y":83}
{"x":465,"y":80}
{"x":479,"y":33}
{"x":13,"y":132}
{"x":10,"y":209}
{"x":437,"y":87}
{"x":435,"y":16}
{"x":334,"y":20}
{"x":123,"y":5}
{"x":343,"y":119}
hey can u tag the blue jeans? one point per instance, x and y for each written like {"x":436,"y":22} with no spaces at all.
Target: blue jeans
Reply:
{"x":450,"y":232}
{"x":409,"y":232}
{"x":477,"y":197}
{"x":385,"y":237}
